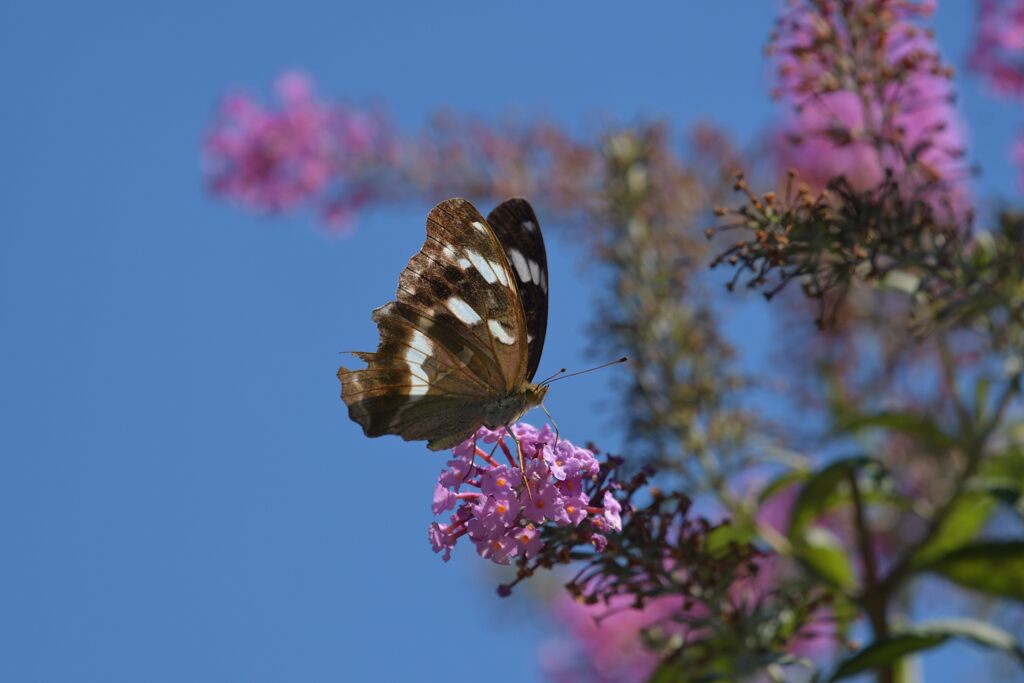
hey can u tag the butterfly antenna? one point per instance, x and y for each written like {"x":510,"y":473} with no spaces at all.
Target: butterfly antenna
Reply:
{"x":556,"y":378}
{"x":545,"y":381}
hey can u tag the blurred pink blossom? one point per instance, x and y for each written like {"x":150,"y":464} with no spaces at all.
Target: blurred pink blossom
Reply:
{"x":271,"y":159}
{"x":893,"y":111}
{"x":603,"y":642}
{"x":1017,"y":156}
{"x":997,"y":52}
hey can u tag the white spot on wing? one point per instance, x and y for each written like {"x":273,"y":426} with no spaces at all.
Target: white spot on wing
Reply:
{"x":463,"y":311}
{"x":500,"y":333}
{"x":519,"y":263}
{"x":544,"y":282}
{"x":530,"y":225}
{"x":500,"y":272}
{"x":464,"y":264}
{"x":420,"y":347}
{"x":535,"y":271}
{"x":421,"y":343}
{"x":479,"y":226}
{"x":448,"y":253}
{"x":483,"y":266}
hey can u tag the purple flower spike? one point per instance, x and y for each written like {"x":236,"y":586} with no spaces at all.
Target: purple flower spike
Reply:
{"x":502,"y":518}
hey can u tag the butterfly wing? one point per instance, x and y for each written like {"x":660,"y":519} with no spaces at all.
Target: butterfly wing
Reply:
{"x":454,"y":339}
{"x":518,"y":230}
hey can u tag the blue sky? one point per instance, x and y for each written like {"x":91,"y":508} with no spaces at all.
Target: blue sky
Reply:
{"x":182,"y":496}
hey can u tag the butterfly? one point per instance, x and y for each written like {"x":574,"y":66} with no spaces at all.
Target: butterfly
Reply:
{"x":461,"y":344}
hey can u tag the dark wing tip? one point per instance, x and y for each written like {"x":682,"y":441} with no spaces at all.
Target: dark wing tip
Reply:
{"x":453,"y":203}
{"x":521,"y":201}
{"x":519,"y":206}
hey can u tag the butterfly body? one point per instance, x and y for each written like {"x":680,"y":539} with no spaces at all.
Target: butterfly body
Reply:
{"x":460,"y":345}
{"x":509,"y":408}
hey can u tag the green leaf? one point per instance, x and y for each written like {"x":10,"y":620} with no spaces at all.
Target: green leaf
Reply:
{"x":670,"y":671}
{"x":821,"y":553}
{"x":720,"y":538}
{"x":979,"y":632}
{"x":888,"y":651}
{"x":963,"y":523}
{"x":817,"y":494}
{"x":1002,"y":476}
{"x":781,"y":482}
{"x":1008,"y":494}
{"x":921,"y":427}
{"x":992,"y":567}
{"x":725,"y":667}
{"x":885,"y":652}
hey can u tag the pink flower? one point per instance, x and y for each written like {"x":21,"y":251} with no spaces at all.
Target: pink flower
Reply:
{"x":502,"y":518}
{"x":612,"y":511}
{"x":528,"y":538}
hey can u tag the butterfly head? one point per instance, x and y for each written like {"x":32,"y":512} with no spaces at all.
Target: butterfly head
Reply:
{"x":535,"y":393}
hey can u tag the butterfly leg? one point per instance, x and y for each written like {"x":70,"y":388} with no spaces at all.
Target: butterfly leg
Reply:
{"x":472,"y":462}
{"x":522,"y":460}
{"x":551,"y":420}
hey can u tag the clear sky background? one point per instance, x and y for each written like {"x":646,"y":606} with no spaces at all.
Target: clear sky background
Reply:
{"x":182,"y":496}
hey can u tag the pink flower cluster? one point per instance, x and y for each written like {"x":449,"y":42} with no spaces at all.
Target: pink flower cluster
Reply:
{"x":303,"y":150}
{"x":493,"y":507}
{"x":997,"y":53}
{"x":856,"y":112}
